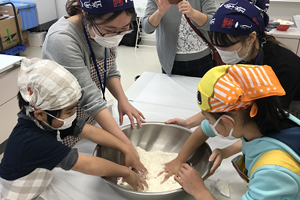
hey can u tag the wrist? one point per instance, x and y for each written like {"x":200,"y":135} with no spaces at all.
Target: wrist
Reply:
{"x":159,"y":13}
{"x":125,"y":149}
{"x":180,"y":158}
{"x":193,"y":14}
{"x":122,"y":98}
{"x":189,"y":122}
{"x":126,"y":172}
{"x":204,"y":194}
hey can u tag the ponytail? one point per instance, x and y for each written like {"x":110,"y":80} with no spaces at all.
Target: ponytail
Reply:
{"x":73,"y":7}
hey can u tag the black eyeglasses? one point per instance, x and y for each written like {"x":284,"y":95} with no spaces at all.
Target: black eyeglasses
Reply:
{"x":115,"y":33}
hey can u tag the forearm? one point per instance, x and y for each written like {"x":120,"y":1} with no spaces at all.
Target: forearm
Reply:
{"x":98,"y":166}
{"x":103,"y":138}
{"x":115,"y":88}
{"x":196,"y":139}
{"x":199,"y":17}
{"x":195,"y":120}
{"x":233,"y":149}
{"x":108,"y":123}
{"x":205,"y":195}
{"x":155,"y":18}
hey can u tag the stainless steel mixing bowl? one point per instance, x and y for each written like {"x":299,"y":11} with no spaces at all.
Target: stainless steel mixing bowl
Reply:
{"x":152,"y":137}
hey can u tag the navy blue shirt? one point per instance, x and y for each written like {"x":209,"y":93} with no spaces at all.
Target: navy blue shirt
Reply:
{"x":29,"y":147}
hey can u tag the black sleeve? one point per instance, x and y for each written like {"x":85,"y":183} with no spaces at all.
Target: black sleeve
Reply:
{"x":78,"y":128}
{"x":70,"y":160}
{"x":286,"y":66}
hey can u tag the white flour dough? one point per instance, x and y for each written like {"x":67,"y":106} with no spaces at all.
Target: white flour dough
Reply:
{"x":154,"y":163}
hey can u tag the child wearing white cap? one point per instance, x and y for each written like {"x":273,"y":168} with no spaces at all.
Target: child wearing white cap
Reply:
{"x":48,"y":96}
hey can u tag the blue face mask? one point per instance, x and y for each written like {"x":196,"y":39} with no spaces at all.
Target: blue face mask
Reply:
{"x":229,"y":137}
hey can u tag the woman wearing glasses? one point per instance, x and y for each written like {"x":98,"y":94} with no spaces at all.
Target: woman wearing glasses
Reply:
{"x":85,"y":44}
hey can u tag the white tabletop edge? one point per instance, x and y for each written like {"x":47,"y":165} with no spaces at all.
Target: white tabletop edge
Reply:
{"x":7,"y":61}
{"x":135,"y":89}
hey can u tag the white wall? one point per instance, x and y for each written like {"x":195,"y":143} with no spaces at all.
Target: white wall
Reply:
{"x":60,"y":8}
{"x":278,"y":9}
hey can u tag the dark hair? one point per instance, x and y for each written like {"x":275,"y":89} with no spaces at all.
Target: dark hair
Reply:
{"x":269,"y":118}
{"x":226,"y":40}
{"x":270,"y":115}
{"x":73,"y":8}
{"x":23,"y":103}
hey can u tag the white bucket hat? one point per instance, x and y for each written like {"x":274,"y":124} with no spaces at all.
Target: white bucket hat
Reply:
{"x":46,"y":85}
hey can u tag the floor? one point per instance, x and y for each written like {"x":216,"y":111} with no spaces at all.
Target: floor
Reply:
{"x":130,"y":62}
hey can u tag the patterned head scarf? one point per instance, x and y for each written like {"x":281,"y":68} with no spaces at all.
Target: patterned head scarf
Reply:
{"x":229,"y":88}
{"x":241,"y":17}
{"x":47,"y":85}
{"x":97,"y":7}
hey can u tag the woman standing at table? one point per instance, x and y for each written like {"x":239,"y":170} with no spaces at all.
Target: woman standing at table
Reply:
{"x":180,"y":50}
{"x":85,"y":44}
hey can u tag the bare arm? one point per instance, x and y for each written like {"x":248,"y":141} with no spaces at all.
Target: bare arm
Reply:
{"x":100,"y":167}
{"x":108,"y":123}
{"x":194,"y":141}
{"x":163,"y":7}
{"x":218,"y":155}
{"x":195,"y":120}
{"x":124,"y":107}
{"x":192,"y":183}
{"x":103,"y":138}
{"x":190,"y":122}
{"x":233,"y":149}
{"x":115,"y":87}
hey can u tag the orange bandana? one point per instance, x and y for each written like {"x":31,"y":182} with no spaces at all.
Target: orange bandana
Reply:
{"x":228,"y":88}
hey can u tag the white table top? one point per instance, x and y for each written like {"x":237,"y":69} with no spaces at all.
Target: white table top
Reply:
{"x":160,"y":89}
{"x":6,"y":61}
{"x":182,"y":92}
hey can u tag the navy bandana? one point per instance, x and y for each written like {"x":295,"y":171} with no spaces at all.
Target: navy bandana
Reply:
{"x":97,"y":7}
{"x":241,"y":17}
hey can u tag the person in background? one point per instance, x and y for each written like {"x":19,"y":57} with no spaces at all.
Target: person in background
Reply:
{"x":180,"y":50}
{"x":47,"y":99}
{"x":85,"y":44}
{"x":238,"y":33}
{"x":236,"y":104}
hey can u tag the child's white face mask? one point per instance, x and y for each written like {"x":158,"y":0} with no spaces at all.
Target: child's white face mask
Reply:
{"x":229,"y":137}
{"x":67,"y":123}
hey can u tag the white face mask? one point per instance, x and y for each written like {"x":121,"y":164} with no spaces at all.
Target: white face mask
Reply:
{"x":232,"y":57}
{"x":229,"y":137}
{"x":108,"y":42}
{"x":67,"y":123}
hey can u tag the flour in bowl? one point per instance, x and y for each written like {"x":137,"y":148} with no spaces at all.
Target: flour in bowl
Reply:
{"x":155,"y":162}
